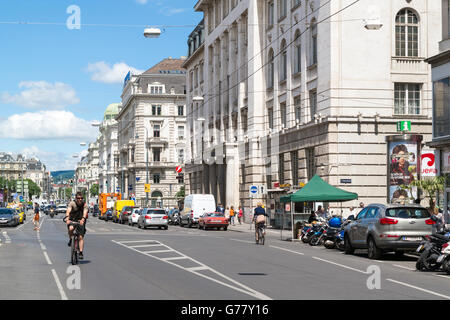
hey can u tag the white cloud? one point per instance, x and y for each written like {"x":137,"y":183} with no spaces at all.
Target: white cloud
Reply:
{"x":47,"y":125}
{"x":103,"y":72}
{"x":168,"y":11}
{"x":42,"y":95}
{"x":53,"y":161}
{"x":141,"y":1}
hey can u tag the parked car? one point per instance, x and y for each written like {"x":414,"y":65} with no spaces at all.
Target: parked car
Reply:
{"x":118,"y":206}
{"x":134,"y":216}
{"x":153,"y":217}
{"x":107,"y":216}
{"x":94,"y":210}
{"x":8,"y":217}
{"x":213,"y":220}
{"x":61,"y":208}
{"x":381,"y":228}
{"x":125,"y":213}
{"x":196,"y":205}
{"x":22,"y":215}
{"x":173,"y":216}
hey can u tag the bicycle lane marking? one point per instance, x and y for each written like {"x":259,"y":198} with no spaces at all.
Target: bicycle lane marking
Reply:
{"x":201,"y":266}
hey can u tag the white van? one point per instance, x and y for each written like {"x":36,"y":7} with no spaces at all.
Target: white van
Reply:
{"x":194,"y":206}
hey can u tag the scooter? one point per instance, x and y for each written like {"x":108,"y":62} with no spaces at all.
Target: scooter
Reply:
{"x":430,"y":251}
{"x":318,"y":237}
{"x":52,"y":213}
{"x":444,"y":258}
{"x":334,"y":227}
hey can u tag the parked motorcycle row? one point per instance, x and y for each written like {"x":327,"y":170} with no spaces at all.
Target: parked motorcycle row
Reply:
{"x":434,"y":251}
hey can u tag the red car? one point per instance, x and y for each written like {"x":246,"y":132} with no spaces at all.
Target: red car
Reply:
{"x":213,"y":220}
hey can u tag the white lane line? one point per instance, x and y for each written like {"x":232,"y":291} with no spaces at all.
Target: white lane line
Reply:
{"x":420,"y":289}
{"x":156,"y":251}
{"x":139,"y":241}
{"x":340,"y":265}
{"x":58,"y":284}
{"x":399,"y":266}
{"x":146,"y":245}
{"x":47,"y":258}
{"x":441,"y":276}
{"x":245,"y":289}
{"x":43,"y":247}
{"x":198,"y":268}
{"x":287,"y":250}
{"x":243,"y":241}
{"x":174,"y":258}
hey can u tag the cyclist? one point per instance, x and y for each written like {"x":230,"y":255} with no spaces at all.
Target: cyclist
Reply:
{"x":77,"y":212}
{"x":259,"y":222}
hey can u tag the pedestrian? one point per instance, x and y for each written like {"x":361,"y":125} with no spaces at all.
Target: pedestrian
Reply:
{"x":440,"y":223}
{"x":361,"y":205}
{"x":220,"y":208}
{"x":351,"y":211}
{"x":227,"y":214}
{"x":232,"y":214}
{"x":36,"y":217}
{"x":240,"y":214}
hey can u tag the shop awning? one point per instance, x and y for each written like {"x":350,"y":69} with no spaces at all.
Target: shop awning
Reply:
{"x":318,"y":190}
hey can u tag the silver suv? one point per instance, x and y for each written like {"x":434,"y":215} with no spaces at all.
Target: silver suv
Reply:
{"x":380,"y":228}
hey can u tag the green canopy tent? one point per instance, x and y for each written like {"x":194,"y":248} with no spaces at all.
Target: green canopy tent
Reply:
{"x":318,"y":190}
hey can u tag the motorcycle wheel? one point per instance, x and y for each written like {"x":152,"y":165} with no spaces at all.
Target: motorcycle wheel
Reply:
{"x":446,"y":266}
{"x":314,"y":241}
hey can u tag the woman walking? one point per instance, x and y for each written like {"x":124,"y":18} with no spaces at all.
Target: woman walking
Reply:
{"x":227,"y":214}
{"x":36,"y":217}
{"x":240,"y":214}
{"x":232,"y":214}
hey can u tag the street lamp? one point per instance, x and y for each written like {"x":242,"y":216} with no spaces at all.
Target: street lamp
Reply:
{"x":152,"y":32}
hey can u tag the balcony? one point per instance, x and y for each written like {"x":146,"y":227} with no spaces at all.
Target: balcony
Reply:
{"x":157,"y":142}
{"x":409,"y":65}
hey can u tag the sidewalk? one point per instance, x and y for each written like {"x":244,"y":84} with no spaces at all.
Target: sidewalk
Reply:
{"x":245,"y":227}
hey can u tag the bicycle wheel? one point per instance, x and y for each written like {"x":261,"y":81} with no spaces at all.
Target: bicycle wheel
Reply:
{"x":74,"y":254}
{"x":260,"y":236}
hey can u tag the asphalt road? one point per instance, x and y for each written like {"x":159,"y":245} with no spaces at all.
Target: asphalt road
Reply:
{"x":127,"y":263}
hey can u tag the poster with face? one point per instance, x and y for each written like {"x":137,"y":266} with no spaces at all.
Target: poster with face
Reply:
{"x":402,"y":169}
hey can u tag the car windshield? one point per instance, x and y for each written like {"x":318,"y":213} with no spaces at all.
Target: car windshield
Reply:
{"x":214,"y":214}
{"x":408,"y":213}
{"x":5,"y":212}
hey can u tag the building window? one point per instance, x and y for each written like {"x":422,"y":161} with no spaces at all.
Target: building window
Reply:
{"x":283,"y":61}
{"x":157,"y":178}
{"x":283,"y":113}
{"x":156,"y":89}
{"x":181,"y":132}
{"x":156,"y":110}
{"x":270,"y":13}
{"x":281,"y":168}
{"x":297,"y":53}
{"x":270,"y":115}
{"x":180,"y":178}
{"x":441,"y":108}
{"x":313,"y":103}
{"x":294,"y":168}
{"x":407,"y":98}
{"x":156,"y":154}
{"x":310,"y":164}
{"x":270,"y":70}
{"x":313,"y":58}
{"x":295,"y":3}
{"x":298,"y":109}
{"x":180,"y":110}
{"x":156,"y":130}
{"x":406,"y":34}
{"x":282,"y":6}
{"x":180,"y":156}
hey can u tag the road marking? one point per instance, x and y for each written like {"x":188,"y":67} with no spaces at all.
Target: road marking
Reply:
{"x":441,"y":276}
{"x":146,"y":245}
{"x":287,"y":250}
{"x":238,"y":286}
{"x":174,"y":258}
{"x":42,"y":246}
{"x":340,"y":265}
{"x":399,"y":266}
{"x":47,"y":258}
{"x":420,"y":289}
{"x":58,"y":284}
{"x":157,"y":251}
{"x":243,"y":241}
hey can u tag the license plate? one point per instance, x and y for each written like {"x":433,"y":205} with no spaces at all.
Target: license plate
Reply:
{"x":412,"y":238}
{"x":217,"y":221}
{"x":441,"y":257}
{"x":419,"y":248}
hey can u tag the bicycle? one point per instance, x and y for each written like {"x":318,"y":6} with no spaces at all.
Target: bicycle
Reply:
{"x":260,"y":233}
{"x":75,"y":247}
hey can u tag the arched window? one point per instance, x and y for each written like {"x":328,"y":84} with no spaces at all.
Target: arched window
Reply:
{"x":406,"y":34}
{"x":157,"y":199}
{"x":270,"y":70}
{"x":313,"y":30}
{"x":283,"y":61}
{"x":297,"y":52}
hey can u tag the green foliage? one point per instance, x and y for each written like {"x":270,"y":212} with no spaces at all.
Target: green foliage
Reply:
{"x":94,"y":190}
{"x":181,"y":193}
{"x":430,"y":187}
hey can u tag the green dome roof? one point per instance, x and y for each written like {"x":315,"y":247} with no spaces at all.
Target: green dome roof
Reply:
{"x":111,"y":111}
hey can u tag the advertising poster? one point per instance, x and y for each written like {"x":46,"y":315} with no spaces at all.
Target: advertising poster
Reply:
{"x":403,"y":170}
{"x":428,"y":168}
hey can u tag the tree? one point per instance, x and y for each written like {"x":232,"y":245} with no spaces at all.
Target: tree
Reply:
{"x":33,"y":189}
{"x":430,"y":187}
{"x":94,"y":190}
{"x":181,"y":193}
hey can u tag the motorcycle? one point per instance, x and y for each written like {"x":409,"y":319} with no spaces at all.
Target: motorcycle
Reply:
{"x":310,"y":232}
{"x":52,"y":213}
{"x":444,"y":258}
{"x":334,"y":227}
{"x":430,"y":250}
{"x":318,"y":237}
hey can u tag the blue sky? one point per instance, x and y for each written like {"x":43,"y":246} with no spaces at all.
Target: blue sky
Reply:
{"x":56,"y":81}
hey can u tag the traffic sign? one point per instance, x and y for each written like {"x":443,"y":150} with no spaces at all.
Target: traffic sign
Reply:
{"x":403,"y":126}
{"x":178,"y":169}
{"x":147,"y":187}
{"x":254,"y":190}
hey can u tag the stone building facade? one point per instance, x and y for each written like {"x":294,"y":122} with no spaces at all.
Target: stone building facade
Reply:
{"x":295,"y":88}
{"x":152,"y":134}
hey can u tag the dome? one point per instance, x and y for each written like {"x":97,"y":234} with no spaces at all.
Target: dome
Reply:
{"x":111,"y":111}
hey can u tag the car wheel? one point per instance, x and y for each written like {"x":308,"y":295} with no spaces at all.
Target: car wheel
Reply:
{"x":373,"y":251}
{"x":348,"y":249}
{"x":399,"y":254}
{"x":225,"y":228}
{"x":166,"y":227}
